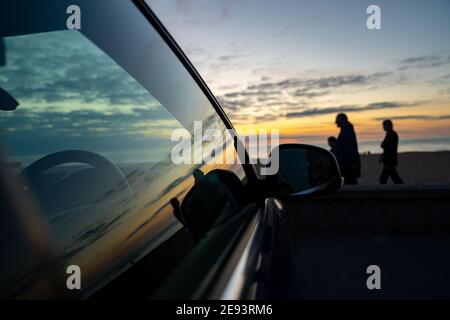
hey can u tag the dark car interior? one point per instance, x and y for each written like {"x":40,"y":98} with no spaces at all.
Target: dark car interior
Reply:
{"x":65,"y":185}
{"x":212,"y":213}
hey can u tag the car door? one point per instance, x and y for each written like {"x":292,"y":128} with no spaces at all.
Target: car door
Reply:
{"x":91,"y":195}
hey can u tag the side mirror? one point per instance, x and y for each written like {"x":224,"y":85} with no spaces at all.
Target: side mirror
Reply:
{"x":305,"y":170}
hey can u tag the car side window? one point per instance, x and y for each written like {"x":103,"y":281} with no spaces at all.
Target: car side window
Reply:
{"x":90,"y":139}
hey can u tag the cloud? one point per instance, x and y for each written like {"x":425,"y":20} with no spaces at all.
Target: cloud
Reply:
{"x":245,"y":118}
{"x":414,"y":117}
{"x":424,"y":61}
{"x":321,"y":83}
{"x":81,"y":122}
{"x":238,"y":94}
{"x":305,"y":96}
{"x":234,"y":105}
{"x":228,"y":58}
{"x":309,"y":94}
{"x":41,"y":70}
{"x":310,"y":112}
{"x":267,"y":97}
{"x":141,"y":130}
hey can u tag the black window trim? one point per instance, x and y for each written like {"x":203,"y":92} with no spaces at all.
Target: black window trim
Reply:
{"x":143,"y":7}
{"x":216,"y":289}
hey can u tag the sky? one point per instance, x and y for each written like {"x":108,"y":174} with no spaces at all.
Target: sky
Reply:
{"x":293,"y":65}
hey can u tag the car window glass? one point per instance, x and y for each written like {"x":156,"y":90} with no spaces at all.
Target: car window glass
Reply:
{"x":91,"y":137}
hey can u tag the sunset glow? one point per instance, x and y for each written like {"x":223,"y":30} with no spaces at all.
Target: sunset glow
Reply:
{"x":293,"y":65}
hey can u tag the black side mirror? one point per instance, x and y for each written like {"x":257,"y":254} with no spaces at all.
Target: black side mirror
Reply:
{"x":305,"y":170}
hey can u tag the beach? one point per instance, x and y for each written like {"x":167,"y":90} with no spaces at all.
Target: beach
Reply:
{"x":415,"y":168}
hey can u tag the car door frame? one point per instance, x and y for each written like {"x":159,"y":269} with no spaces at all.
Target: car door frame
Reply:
{"x":144,"y":8}
{"x":246,"y":269}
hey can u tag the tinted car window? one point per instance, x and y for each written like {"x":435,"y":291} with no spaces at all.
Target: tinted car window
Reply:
{"x":90,"y":138}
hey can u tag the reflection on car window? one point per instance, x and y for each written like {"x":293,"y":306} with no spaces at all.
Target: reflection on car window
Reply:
{"x":91,"y":139}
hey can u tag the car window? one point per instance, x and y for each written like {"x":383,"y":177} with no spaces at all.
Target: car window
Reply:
{"x":91,"y":137}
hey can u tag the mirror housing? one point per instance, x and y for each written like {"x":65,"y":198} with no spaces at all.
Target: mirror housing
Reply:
{"x":304,"y":170}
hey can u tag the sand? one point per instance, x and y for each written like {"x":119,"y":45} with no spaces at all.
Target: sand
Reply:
{"x":415,"y":168}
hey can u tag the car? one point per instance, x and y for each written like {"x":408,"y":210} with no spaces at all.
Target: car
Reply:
{"x":92,"y":205}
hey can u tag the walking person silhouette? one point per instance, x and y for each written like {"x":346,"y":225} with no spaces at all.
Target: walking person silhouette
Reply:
{"x":346,"y":150}
{"x":389,"y":156}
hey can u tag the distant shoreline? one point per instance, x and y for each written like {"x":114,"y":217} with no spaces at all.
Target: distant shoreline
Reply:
{"x":406,"y":152}
{"x":406,"y":145}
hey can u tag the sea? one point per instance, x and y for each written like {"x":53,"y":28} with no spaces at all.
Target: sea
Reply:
{"x":405,"y":145}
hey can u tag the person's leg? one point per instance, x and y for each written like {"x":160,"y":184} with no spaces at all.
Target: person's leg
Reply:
{"x":384,"y":176}
{"x":395,"y":177}
{"x":347,"y":173}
